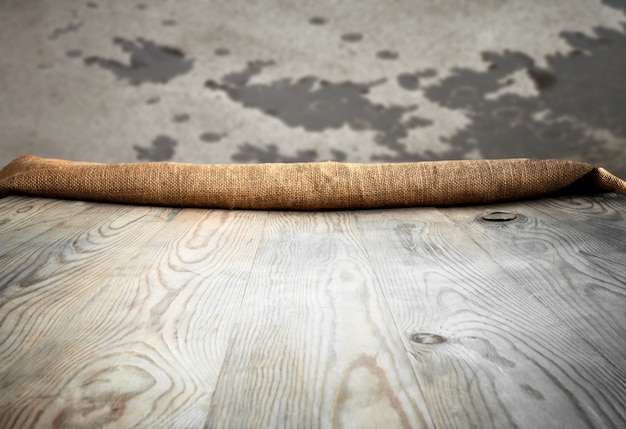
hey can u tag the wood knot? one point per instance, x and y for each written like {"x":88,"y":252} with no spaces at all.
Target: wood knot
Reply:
{"x":426,"y":338}
{"x":499,"y":216}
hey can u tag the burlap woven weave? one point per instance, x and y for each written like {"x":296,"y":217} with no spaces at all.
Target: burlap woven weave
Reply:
{"x":304,"y":186}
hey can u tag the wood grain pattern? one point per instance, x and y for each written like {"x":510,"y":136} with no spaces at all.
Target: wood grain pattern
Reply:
{"x":124,"y":316}
{"x":532,"y":310}
{"x":315,"y":346}
{"x":26,"y":217}
{"x":116,"y":321}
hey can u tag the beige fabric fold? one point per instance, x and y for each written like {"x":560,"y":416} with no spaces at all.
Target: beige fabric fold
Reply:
{"x":304,"y":186}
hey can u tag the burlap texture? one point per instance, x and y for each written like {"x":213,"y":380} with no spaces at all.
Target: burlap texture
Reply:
{"x":304,"y":186}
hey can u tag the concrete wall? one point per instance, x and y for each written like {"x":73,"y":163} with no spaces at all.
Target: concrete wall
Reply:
{"x":279,"y":81}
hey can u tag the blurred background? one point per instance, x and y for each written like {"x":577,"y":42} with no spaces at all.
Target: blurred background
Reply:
{"x":287,"y":81}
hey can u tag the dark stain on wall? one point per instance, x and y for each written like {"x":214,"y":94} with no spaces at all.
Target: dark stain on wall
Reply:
{"x":317,"y":105}
{"x":241,"y":78}
{"x":60,"y":31}
{"x":149,"y":62}
{"x":579,"y":92}
{"x":318,"y":20}
{"x":249,"y":153}
{"x":221,"y":52}
{"x":338,"y":155}
{"x":352,"y":37}
{"x":210,"y":137}
{"x":543,"y":79}
{"x":181,"y":117}
{"x":387,"y":55}
{"x":408,"y":81}
{"x":162,"y":149}
{"x":74,"y":53}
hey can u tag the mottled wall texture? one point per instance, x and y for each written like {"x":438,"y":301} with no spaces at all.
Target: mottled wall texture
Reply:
{"x":286,"y":81}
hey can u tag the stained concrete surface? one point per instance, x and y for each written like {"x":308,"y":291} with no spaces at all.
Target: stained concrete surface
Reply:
{"x":275,"y":81}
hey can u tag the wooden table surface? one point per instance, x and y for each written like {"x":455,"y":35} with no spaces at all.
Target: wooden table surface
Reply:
{"x":123,"y":316}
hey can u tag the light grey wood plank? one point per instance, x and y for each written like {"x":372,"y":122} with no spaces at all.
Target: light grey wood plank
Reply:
{"x":26,"y":218}
{"x":124,"y":320}
{"x":314,"y":345}
{"x":511,"y":324}
{"x":20,"y":212}
{"x":39,"y":253}
{"x":123,"y":316}
{"x":46,"y":324}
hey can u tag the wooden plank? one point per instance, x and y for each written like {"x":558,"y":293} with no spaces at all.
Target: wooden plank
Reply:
{"x":125,"y":316}
{"x":44,"y":248}
{"x":124,"y":319}
{"x":314,"y":345}
{"x":31,"y":217}
{"x":21,"y":212}
{"x":510,"y":324}
{"x":45,"y":291}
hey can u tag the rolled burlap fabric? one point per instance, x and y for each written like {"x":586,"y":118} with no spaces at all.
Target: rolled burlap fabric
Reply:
{"x":304,"y":186}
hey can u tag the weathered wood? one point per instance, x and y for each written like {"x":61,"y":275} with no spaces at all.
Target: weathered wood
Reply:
{"x":25,"y":217}
{"x":121,"y":321}
{"x":517,"y":323}
{"x":315,"y":345}
{"x":124,"y":316}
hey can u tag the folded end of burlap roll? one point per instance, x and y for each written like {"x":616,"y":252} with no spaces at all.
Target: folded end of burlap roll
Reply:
{"x":305,"y":186}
